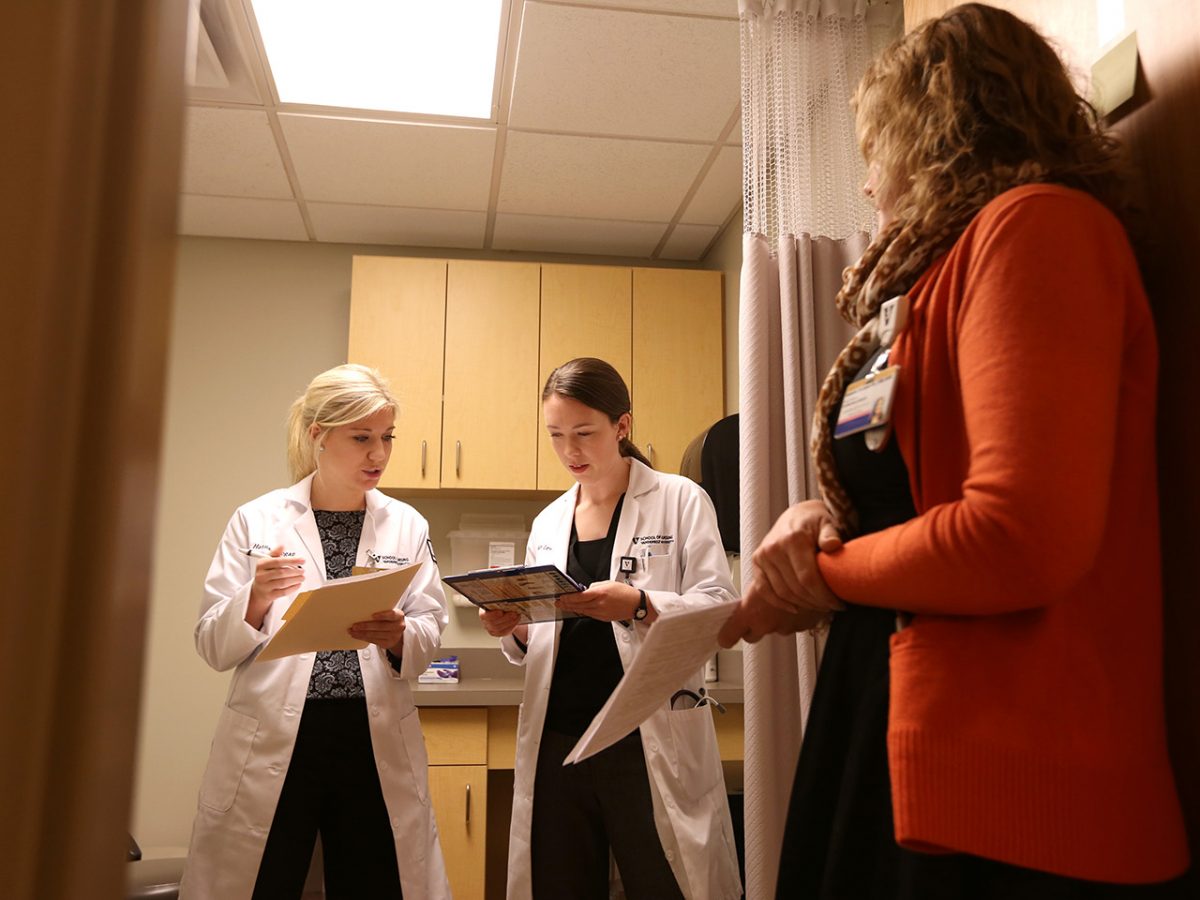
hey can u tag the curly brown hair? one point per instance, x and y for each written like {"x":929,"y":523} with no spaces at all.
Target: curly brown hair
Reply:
{"x":955,"y":113}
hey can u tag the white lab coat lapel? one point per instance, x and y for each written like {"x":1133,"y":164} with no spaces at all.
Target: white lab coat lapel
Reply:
{"x":629,"y":516}
{"x":376,"y":512}
{"x":304,"y":523}
{"x":561,"y":542}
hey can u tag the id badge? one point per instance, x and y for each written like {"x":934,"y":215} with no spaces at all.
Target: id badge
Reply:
{"x":867,"y":403}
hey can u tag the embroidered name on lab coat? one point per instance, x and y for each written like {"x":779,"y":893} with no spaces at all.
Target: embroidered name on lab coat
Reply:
{"x":657,"y":543}
{"x":386,"y":559}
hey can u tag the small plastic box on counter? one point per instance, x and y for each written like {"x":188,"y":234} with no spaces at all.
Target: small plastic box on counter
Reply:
{"x":441,"y":671}
{"x":485,"y":541}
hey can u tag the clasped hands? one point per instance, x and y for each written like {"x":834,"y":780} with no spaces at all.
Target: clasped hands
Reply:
{"x":787,"y":593}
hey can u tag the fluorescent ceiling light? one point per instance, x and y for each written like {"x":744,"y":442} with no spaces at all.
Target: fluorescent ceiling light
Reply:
{"x":416,"y":56}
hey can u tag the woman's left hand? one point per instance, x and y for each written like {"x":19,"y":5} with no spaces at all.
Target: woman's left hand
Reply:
{"x":785,"y":563}
{"x":608,"y":601}
{"x":385,"y":629}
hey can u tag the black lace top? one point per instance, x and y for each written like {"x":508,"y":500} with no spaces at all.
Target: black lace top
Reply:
{"x":336,"y":674}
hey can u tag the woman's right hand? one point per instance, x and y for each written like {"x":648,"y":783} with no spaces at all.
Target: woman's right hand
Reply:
{"x":274,"y":577}
{"x":500,"y":623}
{"x":785,"y":559}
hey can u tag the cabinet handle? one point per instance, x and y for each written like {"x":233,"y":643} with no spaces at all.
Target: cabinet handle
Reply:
{"x":468,"y":804}
{"x":650,"y":453}
{"x":458,"y":459}
{"x":422,"y":459}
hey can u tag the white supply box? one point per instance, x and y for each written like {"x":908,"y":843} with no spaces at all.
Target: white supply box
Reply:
{"x":485,"y":541}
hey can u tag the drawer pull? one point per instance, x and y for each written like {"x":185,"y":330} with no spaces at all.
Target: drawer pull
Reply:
{"x":468,"y":804}
{"x":423,"y":445}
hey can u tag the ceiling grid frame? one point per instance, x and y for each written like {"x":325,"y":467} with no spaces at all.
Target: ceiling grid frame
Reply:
{"x":512,"y":25}
{"x":508,"y":72}
{"x":717,"y":147}
{"x":266,"y":85}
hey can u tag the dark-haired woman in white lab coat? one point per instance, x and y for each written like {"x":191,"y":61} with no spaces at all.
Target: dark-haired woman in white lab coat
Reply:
{"x":656,"y":800}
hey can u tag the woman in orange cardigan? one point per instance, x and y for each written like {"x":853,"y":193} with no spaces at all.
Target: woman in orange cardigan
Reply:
{"x":988,"y":720}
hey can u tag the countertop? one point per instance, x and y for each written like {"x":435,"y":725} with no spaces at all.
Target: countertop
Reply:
{"x":489,"y":679}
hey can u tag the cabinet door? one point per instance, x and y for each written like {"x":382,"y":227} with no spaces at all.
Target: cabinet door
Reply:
{"x":678,"y":360}
{"x":459,"y":798}
{"x":489,"y":421}
{"x":586,"y":311}
{"x":397,"y":325}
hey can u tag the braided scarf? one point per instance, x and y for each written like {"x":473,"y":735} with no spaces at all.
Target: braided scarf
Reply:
{"x":891,"y":265}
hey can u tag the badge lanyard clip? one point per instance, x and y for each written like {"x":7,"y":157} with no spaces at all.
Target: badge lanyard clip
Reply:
{"x":893,"y":316}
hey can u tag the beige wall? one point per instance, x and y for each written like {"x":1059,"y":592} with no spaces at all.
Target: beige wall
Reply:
{"x":726,"y":255}
{"x":253,"y":322}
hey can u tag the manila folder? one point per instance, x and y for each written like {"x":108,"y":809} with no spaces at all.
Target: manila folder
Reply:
{"x":318,"y":620}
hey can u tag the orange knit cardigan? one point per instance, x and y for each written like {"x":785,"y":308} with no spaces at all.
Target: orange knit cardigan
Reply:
{"x":1026,"y":720}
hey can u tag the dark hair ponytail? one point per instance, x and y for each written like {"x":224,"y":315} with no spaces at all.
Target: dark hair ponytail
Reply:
{"x":595,"y":384}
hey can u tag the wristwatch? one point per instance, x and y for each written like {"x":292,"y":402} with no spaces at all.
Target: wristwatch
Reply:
{"x":642,"y":609}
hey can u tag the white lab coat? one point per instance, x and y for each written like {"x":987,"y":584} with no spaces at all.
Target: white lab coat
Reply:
{"x":671,"y":519}
{"x":257,"y":727}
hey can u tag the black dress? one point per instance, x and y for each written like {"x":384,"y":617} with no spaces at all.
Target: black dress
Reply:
{"x":839,"y":841}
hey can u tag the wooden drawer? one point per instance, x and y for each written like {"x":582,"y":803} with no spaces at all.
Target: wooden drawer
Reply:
{"x":455,"y":736}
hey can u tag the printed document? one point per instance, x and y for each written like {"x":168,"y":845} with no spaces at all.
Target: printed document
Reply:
{"x":673,"y":651}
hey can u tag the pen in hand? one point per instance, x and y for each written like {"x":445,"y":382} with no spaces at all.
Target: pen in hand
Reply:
{"x":255,"y":553}
{"x":276,"y":574}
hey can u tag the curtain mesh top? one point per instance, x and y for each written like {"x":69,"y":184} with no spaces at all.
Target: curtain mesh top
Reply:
{"x":802,"y":172}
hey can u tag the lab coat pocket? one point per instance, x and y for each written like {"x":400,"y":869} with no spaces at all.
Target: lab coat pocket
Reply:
{"x":697,"y":765}
{"x":413,"y":741}
{"x":657,"y":573}
{"x":227,"y":761}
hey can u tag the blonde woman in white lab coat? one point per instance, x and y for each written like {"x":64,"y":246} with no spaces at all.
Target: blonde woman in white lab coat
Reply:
{"x":656,"y":800}
{"x":326,"y":743}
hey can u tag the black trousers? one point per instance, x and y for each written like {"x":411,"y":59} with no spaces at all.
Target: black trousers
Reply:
{"x":582,"y":811}
{"x":331,"y":788}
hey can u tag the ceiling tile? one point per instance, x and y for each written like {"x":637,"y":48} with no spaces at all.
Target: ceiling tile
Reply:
{"x":240,"y":217}
{"x":345,"y":224}
{"x":689,"y":241}
{"x":598,"y":178}
{"x":357,"y":161}
{"x":232,"y":152}
{"x":549,"y":234}
{"x":726,"y":8}
{"x":603,"y":71}
{"x":720,"y":192}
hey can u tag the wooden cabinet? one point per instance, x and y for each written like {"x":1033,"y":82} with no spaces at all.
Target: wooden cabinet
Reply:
{"x":464,"y":744}
{"x":586,"y":311}
{"x":468,"y":345}
{"x":397,"y":325}
{"x":678,"y":360}
{"x":489,"y":422}
{"x":456,"y":741}
{"x":459,"y":797}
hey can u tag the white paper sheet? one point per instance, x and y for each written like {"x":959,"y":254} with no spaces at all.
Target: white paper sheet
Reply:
{"x":674,"y":649}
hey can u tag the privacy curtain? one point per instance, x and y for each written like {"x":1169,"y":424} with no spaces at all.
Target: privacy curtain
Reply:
{"x":805,"y":220}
